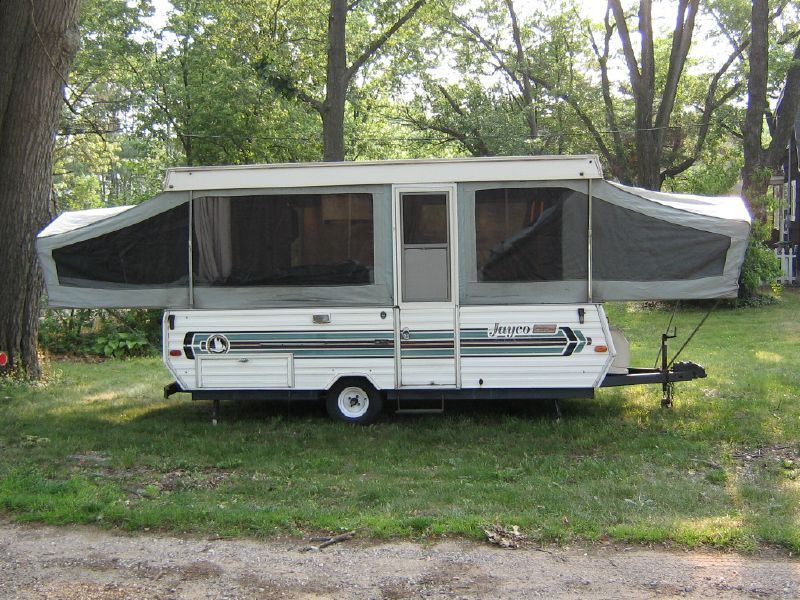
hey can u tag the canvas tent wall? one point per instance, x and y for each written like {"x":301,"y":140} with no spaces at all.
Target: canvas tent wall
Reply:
{"x":260,"y":236}
{"x":236,"y":250}
{"x":658,"y":246}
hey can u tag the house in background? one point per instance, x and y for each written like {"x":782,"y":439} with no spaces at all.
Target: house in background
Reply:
{"x":786,"y":225}
{"x":786,"y":217}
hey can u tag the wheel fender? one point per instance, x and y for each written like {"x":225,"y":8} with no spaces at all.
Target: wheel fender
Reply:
{"x":348,"y":374}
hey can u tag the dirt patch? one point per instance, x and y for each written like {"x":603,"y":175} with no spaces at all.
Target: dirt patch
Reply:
{"x":90,"y":458}
{"x":181,"y":479}
{"x":782,"y":460}
{"x":91,"y":591}
{"x":143,"y":481}
{"x":202,"y":569}
{"x":86,"y":563}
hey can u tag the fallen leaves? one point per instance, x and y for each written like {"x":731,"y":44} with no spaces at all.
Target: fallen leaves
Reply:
{"x":504,"y":537}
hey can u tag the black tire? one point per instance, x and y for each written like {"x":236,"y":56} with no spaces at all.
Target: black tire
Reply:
{"x":353,"y":400}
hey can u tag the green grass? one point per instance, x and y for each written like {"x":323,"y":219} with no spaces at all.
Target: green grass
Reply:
{"x":97,"y":444}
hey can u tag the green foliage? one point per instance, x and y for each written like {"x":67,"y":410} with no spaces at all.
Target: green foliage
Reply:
{"x":478,"y":104}
{"x":64,"y":331}
{"x":715,"y":173}
{"x":108,"y":333}
{"x":120,"y":344}
{"x":100,"y":158}
{"x":760,"y":270}
{"x":233,"y":83}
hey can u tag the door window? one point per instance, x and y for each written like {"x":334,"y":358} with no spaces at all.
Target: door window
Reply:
{"x":426,"y":250}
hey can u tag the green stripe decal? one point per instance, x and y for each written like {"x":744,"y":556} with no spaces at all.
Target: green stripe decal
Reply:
{"x":311,"y":336}
{"x":423,"y":352}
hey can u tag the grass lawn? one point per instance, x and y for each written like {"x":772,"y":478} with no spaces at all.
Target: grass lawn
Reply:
{"x":98,"y":444}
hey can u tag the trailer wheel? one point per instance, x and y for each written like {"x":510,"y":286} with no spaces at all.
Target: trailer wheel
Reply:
{"x":353,"y":400}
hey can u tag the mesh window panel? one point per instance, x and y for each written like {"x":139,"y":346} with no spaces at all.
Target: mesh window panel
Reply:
{"x":520,"y":234}
{"x":630,"y":246}
{"x":284,"y":240}
{"x":151,"y":252}
{"x":424,"y":219}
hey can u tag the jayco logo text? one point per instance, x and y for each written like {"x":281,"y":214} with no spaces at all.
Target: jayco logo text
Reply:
{"x":517,"y":330}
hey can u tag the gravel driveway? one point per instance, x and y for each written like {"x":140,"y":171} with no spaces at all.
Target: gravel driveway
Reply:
{"x":87,"y":563}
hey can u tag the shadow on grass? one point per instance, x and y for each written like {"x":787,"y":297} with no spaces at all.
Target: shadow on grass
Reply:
{"x":617,"y":465}
{"x":483,"y":411}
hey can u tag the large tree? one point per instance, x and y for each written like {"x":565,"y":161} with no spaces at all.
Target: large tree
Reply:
{"x":100,"y":157}
{"x":346,"y":55}
{"x":497,"y":105}
{"x":648,"y":125}
{"x":759,"y":161}
{"x":652,"y":117}
{"x":39,"y":42}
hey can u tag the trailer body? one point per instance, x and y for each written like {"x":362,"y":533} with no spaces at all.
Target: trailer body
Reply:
{"x":442,"y":278}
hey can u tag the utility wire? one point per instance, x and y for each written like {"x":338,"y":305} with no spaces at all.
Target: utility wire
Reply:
{"x":556,"y":134}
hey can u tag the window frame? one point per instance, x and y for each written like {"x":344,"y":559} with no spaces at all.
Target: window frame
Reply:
{"x":475,"y":292}
{"x":380,"y":292}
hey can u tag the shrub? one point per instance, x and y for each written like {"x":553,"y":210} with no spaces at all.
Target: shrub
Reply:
{"x":760,"y":269}
{"x":109,"y":333}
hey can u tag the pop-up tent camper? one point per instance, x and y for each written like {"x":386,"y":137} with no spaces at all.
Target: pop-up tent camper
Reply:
{"x":443,"y":249}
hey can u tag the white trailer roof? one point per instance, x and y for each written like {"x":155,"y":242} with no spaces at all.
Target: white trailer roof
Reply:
{"x":500,"y":168}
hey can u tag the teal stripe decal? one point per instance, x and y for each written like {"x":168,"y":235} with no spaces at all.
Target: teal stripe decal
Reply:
{"x":518,"y":351}
{"x":423,"y":352}
{"x":311,"y":336}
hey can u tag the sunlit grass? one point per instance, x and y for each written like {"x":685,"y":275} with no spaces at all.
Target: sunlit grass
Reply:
{"x":722,"y":468}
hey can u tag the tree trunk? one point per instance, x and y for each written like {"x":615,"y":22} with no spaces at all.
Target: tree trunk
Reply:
{"x":651,"y":125}
{"x":339,"y":74}
{"x":755,"y":178}
{"x":759,"y":162}
{"x":336,"y":84}
{"x":648,"y":156}
{"x":39,"y":42}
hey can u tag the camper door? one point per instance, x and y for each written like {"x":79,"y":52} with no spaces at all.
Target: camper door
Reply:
{"x":426,"y":285}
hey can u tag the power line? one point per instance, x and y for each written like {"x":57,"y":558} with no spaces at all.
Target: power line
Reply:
{"x":429,"y":138}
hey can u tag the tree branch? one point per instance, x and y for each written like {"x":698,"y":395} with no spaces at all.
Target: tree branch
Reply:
{"x":647,"y":57}
{"x":492,"y":49}
{"x":756,"y":88}
{"x":451,"y":101}
{"x":681,"y":41}
{"x":382,"y":39}
{"x":616,"y":166}
{"x":710,"y":104}
{"x":627,"y":48}
{"x":472,"y":141}
{"x":788,"y":37}
{"x":527,"y":92}
{"x":605,"y":84}
{"x":731,"y":130}
{"x":287,"y":87}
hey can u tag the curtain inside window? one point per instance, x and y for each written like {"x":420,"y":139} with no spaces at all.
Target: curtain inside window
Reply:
{"x":212,"y":225}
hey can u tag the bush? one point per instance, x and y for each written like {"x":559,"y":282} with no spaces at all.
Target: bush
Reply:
{"x":118,"y":344}
{"x":760,"y":269}
{"x":109,"y":333}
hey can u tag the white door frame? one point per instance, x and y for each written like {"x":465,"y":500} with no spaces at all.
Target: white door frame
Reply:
{"x":451,"y":190}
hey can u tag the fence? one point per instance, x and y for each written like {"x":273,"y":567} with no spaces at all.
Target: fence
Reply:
{"x":788,"y":260}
